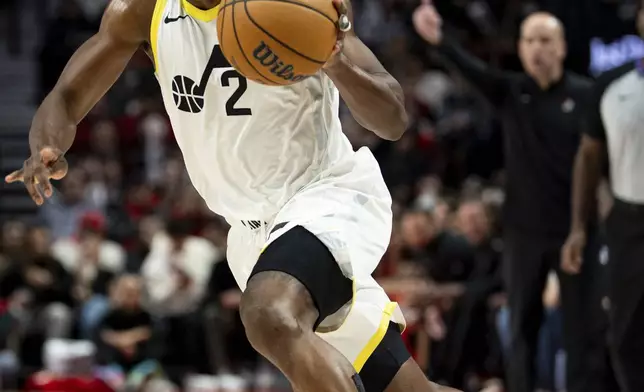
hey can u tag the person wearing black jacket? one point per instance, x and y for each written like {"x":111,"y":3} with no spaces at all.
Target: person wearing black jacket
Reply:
{"x":541,"y":110}
{"x":43,"y":285}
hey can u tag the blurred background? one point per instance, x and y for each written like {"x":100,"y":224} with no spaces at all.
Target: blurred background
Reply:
{"x":74,"y":271}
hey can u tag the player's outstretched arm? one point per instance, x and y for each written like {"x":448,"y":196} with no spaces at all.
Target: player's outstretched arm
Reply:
{"x":373,"y":96}
{"x":91,"y":71}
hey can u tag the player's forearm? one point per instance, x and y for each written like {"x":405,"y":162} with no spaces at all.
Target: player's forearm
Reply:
{"x":375,"y":100}
{"x":586,"y":175}
{"x":52,"y":125}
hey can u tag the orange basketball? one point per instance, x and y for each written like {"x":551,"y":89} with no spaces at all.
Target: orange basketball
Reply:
{"x":277,"y":42}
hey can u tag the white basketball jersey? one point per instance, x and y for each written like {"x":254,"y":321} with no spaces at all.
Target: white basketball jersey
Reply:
{"x":248,"y":148}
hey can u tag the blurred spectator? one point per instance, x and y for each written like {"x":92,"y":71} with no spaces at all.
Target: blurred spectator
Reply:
{"x":104,"y":141}
{"x":13,"y":240}
{"x":445,"y":255}
{"x":90,"y":245}
{"x":227,"y":337}
{"x":463,"y":269}
{"x":140,"y":200}
{"x":93,"y":261}
{"x":44,"y":289}
{"x":177,"y":269}
{"x":65,"y":209}
{"x":126,"y":330}
{"x":149,"y":226}
{"x":175,"y":273}
{"x":96,"y":190}
{"x":155,"y":130}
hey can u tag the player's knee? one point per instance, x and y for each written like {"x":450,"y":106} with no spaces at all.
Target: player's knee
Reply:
{"x":268,"y":320}
{"x":272,"y":316}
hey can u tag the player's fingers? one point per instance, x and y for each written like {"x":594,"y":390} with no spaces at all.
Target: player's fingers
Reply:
{"x":336,"y":49}
{"x":16,"y":176}
{"x":59,"y":169}
{"x":41,"y":176}
{"x":426,"y":2}
{"x":32,"y":189}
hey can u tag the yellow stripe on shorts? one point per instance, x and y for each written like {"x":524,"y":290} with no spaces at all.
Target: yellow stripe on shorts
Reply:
{"x":376,"y":338}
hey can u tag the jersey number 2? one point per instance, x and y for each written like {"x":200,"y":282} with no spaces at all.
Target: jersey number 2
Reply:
{"x":217,"y":60}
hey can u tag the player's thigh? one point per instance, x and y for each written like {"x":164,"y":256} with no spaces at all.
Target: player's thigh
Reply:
{"x":299,"y":257}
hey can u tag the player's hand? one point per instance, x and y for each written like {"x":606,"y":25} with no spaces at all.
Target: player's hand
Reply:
{"x":428,"y":23}
{"x":343,"y":25}
{"x":38,"y":170}
{"x":572,"y":252}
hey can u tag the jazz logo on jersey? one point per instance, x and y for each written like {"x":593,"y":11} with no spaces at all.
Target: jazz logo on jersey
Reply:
{"x":189,"y":96}
{"x":269,"y":59}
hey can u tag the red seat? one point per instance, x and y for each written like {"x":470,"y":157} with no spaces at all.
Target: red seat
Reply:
{"x":42,"y":382}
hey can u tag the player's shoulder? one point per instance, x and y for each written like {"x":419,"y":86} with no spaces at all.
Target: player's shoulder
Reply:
{"x":128,"y":20}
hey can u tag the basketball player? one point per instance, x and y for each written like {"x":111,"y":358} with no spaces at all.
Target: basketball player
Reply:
{"x":310,"y":218}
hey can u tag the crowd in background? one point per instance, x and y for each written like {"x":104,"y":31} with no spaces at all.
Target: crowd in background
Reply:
{"x":127,"y":256}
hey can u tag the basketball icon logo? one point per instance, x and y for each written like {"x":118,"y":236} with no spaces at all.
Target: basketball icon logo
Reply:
{"x":187,"y":95}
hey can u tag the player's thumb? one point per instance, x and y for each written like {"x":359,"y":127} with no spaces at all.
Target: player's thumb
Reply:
{"x":426,"y":2}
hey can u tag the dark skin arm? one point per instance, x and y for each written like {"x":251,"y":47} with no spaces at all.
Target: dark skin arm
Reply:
{"x":91,"y":71}
{"x":587,"y":174}
{"x":374,"y":97}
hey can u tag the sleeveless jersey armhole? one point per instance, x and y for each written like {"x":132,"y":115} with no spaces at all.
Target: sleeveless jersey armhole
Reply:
{"x":155,"y":26}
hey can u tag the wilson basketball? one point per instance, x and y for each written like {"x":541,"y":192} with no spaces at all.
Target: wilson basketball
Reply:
{"x":277,"y":42}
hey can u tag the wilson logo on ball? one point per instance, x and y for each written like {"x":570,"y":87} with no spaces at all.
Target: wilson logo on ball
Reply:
{"x":270,"y":60}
